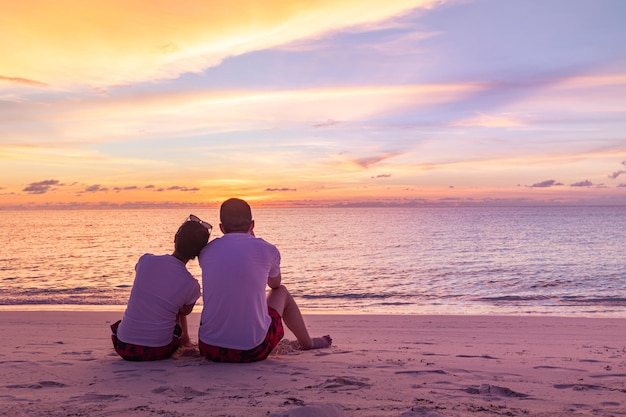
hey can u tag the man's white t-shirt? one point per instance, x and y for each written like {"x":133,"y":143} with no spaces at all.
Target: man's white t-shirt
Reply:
{"x":235,"y":269}
{"x":162,"y":286}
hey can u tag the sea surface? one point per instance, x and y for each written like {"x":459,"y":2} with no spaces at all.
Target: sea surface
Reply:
{"x":509,"y":260}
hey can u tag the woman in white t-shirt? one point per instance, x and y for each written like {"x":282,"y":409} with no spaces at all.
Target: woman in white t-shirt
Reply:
{"x":164,"y":292}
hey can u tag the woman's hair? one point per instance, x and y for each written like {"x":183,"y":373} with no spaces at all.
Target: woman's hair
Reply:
{"x":235,"y":215}
{"x":190,"y":239}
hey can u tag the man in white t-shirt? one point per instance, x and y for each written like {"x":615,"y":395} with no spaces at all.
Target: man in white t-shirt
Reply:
{"x":154,"y":324}
{"x":240,"y":322}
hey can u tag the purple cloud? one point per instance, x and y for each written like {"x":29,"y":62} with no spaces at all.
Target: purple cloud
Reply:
{"x":585,"y":183}
{"x":40,"y":187}
{"x":546,"y":184}
{"x":180,"y":188}
{"x":95,"y":188}
{"x":327,"y":123}
{"x":368,"y":161}
{"x":280,"y":189}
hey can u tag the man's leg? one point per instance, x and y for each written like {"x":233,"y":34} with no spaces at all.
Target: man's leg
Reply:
{"x":281,"y":300}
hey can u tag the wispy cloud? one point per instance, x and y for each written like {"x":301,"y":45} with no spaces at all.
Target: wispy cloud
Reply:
{"x":151,"y":43}
{"x":585,"y":183}
{"x":485,"y":120}
{"x":327,"y":123}
{"x":363,"y":162}
{"x":400,"y":44}
{"x":190,"y":112}
{"x":25,"y":81}
{"x":280,"y":189}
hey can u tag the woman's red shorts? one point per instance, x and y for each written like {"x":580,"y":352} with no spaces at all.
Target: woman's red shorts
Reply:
{"x":138,"y":353}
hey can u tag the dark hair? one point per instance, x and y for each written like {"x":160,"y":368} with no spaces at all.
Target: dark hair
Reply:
{"x":190,"y":239}
{"x":235,"y":215}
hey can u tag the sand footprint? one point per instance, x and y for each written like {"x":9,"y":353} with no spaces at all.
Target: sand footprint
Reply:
{"x":178,"y":391}
{"x":96,"y":397}
{"x":345,"y":383}
{"x":579,"y":387}
{"x":419,"y":372}
{"x":39,"y":385}
{"x":313,"y":410}
{"x":486,"y":389}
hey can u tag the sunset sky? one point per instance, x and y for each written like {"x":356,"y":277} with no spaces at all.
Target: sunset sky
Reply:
{"x":312,"y":102}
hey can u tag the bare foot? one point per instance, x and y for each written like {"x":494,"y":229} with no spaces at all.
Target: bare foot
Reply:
{"x":188,"y":350}
{"x":322,"y":342}
{"x":318,"y":343}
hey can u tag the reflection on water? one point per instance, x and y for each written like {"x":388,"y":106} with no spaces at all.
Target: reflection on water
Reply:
{"x":542,"y":260}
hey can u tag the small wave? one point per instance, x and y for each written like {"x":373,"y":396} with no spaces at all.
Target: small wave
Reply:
{"x":514,"y":298}
{"x":348,"y":296}
{"x":608,"y":301}
{"x":397,"y":303}
{"x":554,"y":300}
{"x":56,"y":291}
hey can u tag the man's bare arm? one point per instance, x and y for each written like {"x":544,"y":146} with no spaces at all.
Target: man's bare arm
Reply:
{"x":274,"y":282}
{"x":186,"y":309}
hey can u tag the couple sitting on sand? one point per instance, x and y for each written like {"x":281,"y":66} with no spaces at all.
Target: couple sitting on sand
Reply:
{"x":240,"y":321}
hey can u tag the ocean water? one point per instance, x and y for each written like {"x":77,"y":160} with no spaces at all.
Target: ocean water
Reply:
{"x":509,"y":260}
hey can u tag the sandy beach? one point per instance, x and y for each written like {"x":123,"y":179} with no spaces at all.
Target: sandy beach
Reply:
{"x":63,"y":364}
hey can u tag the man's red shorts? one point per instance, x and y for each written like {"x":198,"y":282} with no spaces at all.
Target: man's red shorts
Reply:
{"x":274,"y":335}
{"x":138,"y":353}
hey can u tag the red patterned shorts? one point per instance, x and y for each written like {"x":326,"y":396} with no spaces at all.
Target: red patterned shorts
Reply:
{"x":139,"y":353}
{"x":274,"y":335}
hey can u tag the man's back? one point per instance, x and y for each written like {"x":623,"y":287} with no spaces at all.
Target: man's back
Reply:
{"x":235,"y":269}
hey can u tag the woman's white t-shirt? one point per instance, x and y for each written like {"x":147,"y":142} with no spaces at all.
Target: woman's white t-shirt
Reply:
{"x":162,"y":286}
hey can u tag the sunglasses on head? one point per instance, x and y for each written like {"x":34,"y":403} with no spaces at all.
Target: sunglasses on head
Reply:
{"x":193,"y":218}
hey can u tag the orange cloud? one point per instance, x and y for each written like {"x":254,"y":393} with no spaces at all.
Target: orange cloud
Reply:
{"x":67,"y":42}
{"x":18,"y":80}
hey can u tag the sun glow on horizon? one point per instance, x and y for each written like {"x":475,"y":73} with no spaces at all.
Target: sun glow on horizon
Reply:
{"x":404,"y":102}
